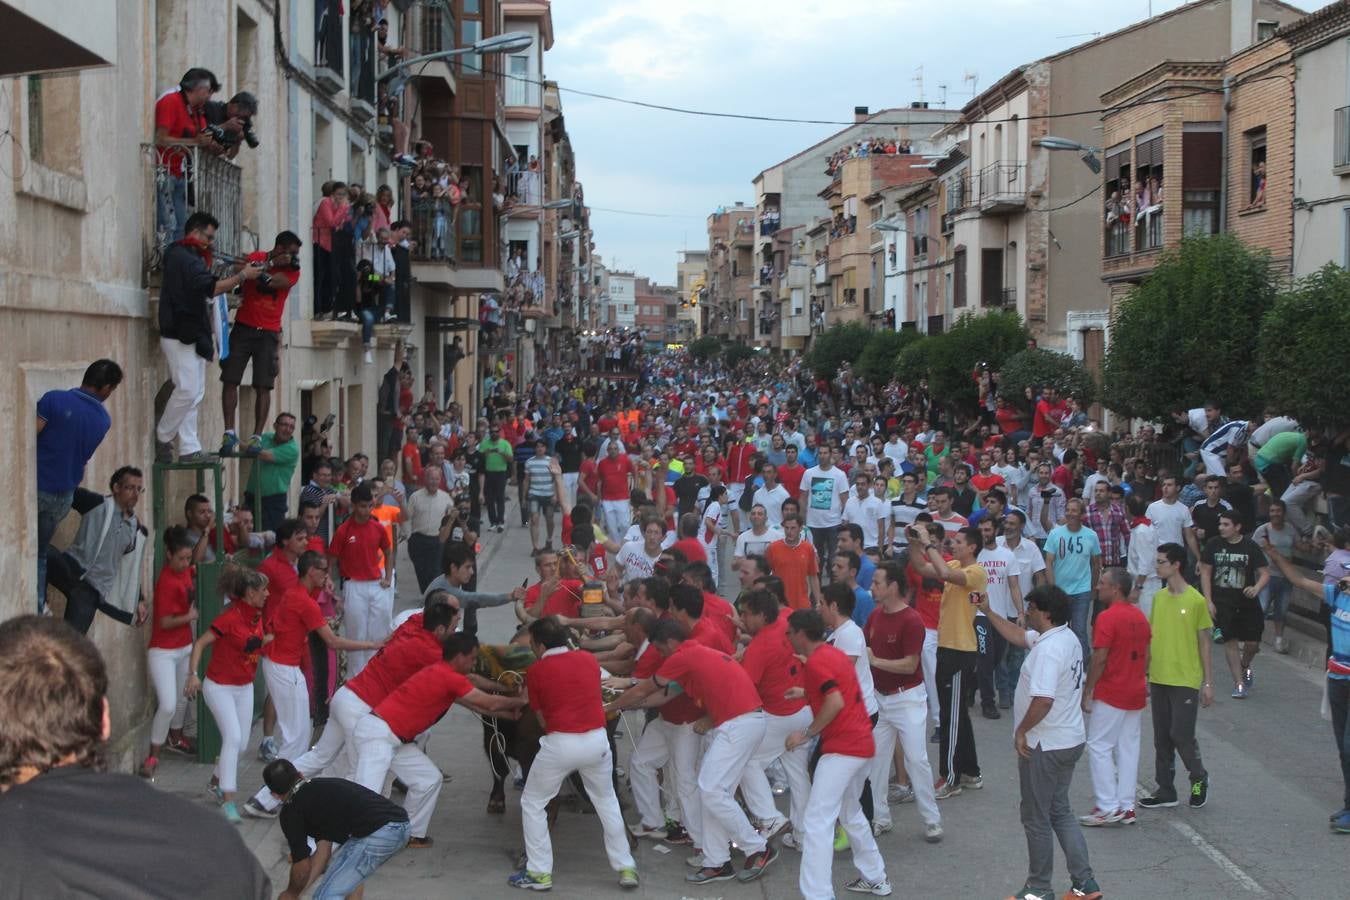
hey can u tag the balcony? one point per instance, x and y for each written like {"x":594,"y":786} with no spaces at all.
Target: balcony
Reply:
{"x":1148,"y":229}
{"x":329,"y":35}
{"x":1340,"y":160}
{"x":361,"y":88}
{"x":768,"y":221}
{"x":209,"y":184}
{"x":822,"y":273}
{"x":1117,"y":239}
{"x":433,"y":240}
{"x":1000,"y":298}
{"x":1002,"y":188}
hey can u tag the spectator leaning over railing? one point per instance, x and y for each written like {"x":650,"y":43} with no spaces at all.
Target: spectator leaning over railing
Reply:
{"x":179,"y":120}
{"x":70,"y":426}
{"x":185,"y":332}
{"x":230,"y":124}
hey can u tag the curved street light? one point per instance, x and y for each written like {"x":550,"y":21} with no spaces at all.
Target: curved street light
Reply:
{"x":1049,"y":142}
{"x":509,"y":42}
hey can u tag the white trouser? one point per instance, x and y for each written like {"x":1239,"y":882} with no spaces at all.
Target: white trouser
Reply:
{"x":835,"y":790}
{"x":570,"y":489}
{"x":379,"y":751}
{"x":618,"y":516}
{"x":290,"y":695}
{"x":1152,"y":584}
{"x":730,"y":746}
{"x":653,"y":751}
{"x":1113,"y":755}
{"x":168,"y":674}
{"x":368,"y":615}
{"x":903,"y":716}
{"x":344,"y":711}
{"x":686,"y":746}
{"x":561,"y":754}
{"x":231,"y":706}
{"x":755,"y":784}
{"x":1215,"y":460}
{"x":1299,"y":500}
{"x":187,"y":370}
{"x":929,"y":663}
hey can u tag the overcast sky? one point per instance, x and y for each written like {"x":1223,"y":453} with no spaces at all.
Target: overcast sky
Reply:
{"x":812,"y":59}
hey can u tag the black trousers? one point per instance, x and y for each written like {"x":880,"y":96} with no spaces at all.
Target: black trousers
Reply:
{"x":956,"y":740}
{"x":425,"y":552}
{"x":323,"y":281}
{"x":992,"y":646}
{"x":1174,"y":713}
{"x":494,"y":487}
{"x":273,"y":509}
{"x":825,"y":540}
{"x":82,"y":600}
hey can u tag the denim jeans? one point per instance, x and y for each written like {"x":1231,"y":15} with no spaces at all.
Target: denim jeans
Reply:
{"x":1338,"y":697}
{"x":171,"y":207}
{"x":358,"y":858}
{"x":367,"y":315}
{"x":1008,"y":670}
{"x":1080,"y":621}
{"x":52,"y":508}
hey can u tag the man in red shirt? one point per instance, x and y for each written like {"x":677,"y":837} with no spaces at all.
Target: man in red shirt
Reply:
{"x":551,"y":595}
{"x":1114,"y":696}
{"x":772,"y":664}
{"x":739,"y":455}
{"x":794,"y":560}
{"x":895,"y":634}
{"x":715,"y":608}
{"x":985,"y":479}
{"x":179,"y":120}
{"x":1049,"y":415}
{"x":734,"y":722}
{"x":385,"y":737}
{"x":846,"y":747}
{"x":689,"y":543}
{"x":616,"y":474}
{"x":256,"y":336}
{"x":791,"y":472}
{"x":358,"y":549}
{"x":564,"y":692}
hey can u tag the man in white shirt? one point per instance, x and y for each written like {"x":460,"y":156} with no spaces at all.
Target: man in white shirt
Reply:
{"x":866,"y":510}
{"x":1005,"y":596}
{"x":757,"y":538}
{"x":823,"y":491}
{"x":771,"y":495}
{"x":836,"y":610}
{"x":1044,"y":505}
{"x":896,"y":448}
{"x":1172,"y":519}
{"x":1049,"y":738}
{"x":1030,"y":574}
{"x":1141,"y":559}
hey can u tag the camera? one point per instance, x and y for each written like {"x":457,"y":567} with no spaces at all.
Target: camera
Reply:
{"x":328,"y":421}
{"x":226,"y":138}
{"x":249,"y":137}
{"x":219,"y":135}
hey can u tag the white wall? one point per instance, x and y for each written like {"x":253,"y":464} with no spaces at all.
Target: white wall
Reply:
{"x":1320,"y":233}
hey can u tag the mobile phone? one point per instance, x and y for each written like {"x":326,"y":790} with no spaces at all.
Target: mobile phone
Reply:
{"x":975,"y":597}
{"x":525,"y":583}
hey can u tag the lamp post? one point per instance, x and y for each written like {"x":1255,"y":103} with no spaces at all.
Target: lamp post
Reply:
{"x":1089,"y":154}
{"x":509,"y":42}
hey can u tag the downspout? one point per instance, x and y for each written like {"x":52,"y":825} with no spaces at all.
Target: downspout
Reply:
{"x":1223,"y":153}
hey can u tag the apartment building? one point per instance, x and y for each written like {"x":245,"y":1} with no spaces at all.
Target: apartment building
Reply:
{"x":727,"y":299}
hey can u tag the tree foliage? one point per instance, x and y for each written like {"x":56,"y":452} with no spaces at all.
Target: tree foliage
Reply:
{"x":1187,"y":333}
{"x":836,"y":345}
{"x":1036,"y":368}
{"x":952,"y":356}
{"x":911,"y":363}
{"x":704,"y":348}
{"x":876,"y":363}
{"x":734,"y":352}
{"x":1302,"y":344}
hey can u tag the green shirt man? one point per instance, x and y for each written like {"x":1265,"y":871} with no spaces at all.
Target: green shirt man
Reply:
{"x":497,"y":453}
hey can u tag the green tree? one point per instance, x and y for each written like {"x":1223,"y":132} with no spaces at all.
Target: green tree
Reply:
{"x":990,"y":338}
{"x":836,"y":345}
{"x":734,"y":351}
{"x":704,"y":348}
{"x":911,"y":363}
{"x":1302,"y":342}
{"x":1187,"y":333}
{"x":1046,"y":368}
{"x":876,"y":363}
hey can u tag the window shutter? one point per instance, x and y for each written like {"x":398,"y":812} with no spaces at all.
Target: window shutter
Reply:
{"x":1200,"y":163}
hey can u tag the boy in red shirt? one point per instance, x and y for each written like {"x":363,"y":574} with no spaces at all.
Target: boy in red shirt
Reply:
{"x":616,"y":474}
{"x":846,"y":747}
{"x":564,"y":692}
{"x":358,"y":549}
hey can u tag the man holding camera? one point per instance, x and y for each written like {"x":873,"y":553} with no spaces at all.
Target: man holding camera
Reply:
{"x":185,"y":332}
{"x":230,"y":124}
{"x":256,"y":336}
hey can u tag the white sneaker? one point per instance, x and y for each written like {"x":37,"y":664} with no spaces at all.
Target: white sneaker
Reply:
{"x":900,"y":793}
{"x":861,"y":885}
{"x":1281,"y":645}
{"x":370,"y":357}
{"x":933,"y":833}
{"x":790,"y":841}
{"x":770,"y":827}
{"x":879,"y":828}
{"x":1099,"y":817}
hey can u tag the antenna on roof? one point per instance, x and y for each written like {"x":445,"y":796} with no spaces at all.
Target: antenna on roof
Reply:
{"x":943,"y":102}
{"x":918,"y":83}
{"x":972,"y":78}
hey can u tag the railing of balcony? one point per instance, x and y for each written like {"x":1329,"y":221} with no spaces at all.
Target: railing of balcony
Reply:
{"x":433,"y":230}
{"x":1341,"y":156}
{"x":1148,"y":227}
{"x":1003,"y":182}
{"x":182,"y":179}
{"x":958,"y":192}
{"x":328,"y":35}
{"x":1008,"y":297}
{"x":1117,"y":239}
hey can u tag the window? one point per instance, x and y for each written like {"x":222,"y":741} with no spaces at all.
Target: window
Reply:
{"x":959,"y":279}
{"x":1201,"y":165}
{"x":1256,"y":166}
{"x":1119,"y":208}
{"x":470,"y":32}
{"x":1148,"y":191}
{"x":518,"y":87}
{"x":1265,"y":30}
{"x":471,"y":216}
{"x":991,"y":276}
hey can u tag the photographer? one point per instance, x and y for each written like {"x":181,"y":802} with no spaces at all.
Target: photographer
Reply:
{"x":185,"y":332}
{"x":256,"y":336}
{"x":230,"y":124}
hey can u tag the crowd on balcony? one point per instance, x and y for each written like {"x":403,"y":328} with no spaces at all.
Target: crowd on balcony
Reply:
{"x":616,"y":350}
{"x":522,"y":184}
{"x":1140,"y":208}
{"x":861,"y":149}
{"x":769,"y":220}
{"x":842,"y":225}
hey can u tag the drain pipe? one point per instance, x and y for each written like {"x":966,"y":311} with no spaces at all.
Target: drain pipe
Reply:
{"x":1223,"y":153}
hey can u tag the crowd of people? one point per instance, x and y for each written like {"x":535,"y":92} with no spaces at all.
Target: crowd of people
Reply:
{"x":863,"y":148}
{"x":888,"y":572}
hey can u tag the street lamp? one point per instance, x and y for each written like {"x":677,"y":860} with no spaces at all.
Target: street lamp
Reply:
{"x":563,"y":203}
{"x":885,"y":226}
{"x":1058,"y":143}
{"x":509,"y":42}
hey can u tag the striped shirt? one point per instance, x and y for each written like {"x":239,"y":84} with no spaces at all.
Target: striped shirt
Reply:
{"x":541,"y":479}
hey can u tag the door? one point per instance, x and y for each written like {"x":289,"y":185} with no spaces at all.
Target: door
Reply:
{"x":991,"y":276}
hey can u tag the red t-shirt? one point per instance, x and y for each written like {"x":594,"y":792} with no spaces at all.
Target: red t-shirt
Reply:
{"x":173,"y":597}
{"x":359,"y":548}
{"x":1047,"y":418}
{"x":893,"y":636}
{"x":263,"y":310}
{"x":231,"y":662}
{"x":985,"y":482}
{"x":793,"y":565}
{"x":1009,"y":422}
{"x":720,"y":611}
{"x":692,"y":548}
{"x":709,"y":632}
{"x":565,"y":601}
{"x":1063,"y":477}
{"x":850,"y":733}
{"x":412,"y":455}
{"x":773,"y":666}
{"x":180,"y":123}
{"x":316,"y":544}
{"x":927,"y":602}
{"x":281,"y":577}
{"x":648,"y":663}
{"x":418,"y":703}
{"x":565,"y":689}
{"x":294,"y":618}
{"x":409,"y":649}
{"x":589,"y":474}
{"x":790,"y":477}
{"x":614,"y":477}
{"x":713,"y":680}
{"x":1123,"y":630}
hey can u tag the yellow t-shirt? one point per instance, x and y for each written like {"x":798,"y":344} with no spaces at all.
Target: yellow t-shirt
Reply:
{"x":956,"y":623}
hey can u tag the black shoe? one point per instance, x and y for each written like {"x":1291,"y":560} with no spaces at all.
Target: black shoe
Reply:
{"x":1199,"y":793}
{"x":1159,"y":801}
{"x":990,"y":711}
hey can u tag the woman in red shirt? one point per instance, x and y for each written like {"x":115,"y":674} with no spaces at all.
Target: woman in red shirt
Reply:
{"x":331,"y":213}
{"x":236,"y":638}
{"x":170,"y":646}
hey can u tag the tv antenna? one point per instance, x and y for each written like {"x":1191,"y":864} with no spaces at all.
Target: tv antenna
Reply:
{"x":918,"y":83}
{"x":972,"y":78}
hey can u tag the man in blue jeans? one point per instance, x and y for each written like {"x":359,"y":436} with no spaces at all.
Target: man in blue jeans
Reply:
{"x":367,"y":827}
{"x":70,"y":426}
{"x":1073,"y":563}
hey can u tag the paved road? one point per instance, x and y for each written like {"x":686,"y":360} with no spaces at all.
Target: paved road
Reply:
{"x":1264,"y":834}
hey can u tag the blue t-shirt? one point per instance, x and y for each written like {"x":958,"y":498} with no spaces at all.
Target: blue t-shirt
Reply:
{"x":1073,"y":552}
{"x":862,"y":605}
{"x":866,"y":569}
{"x":76,"y":424}
{"x":1338,"y":602}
